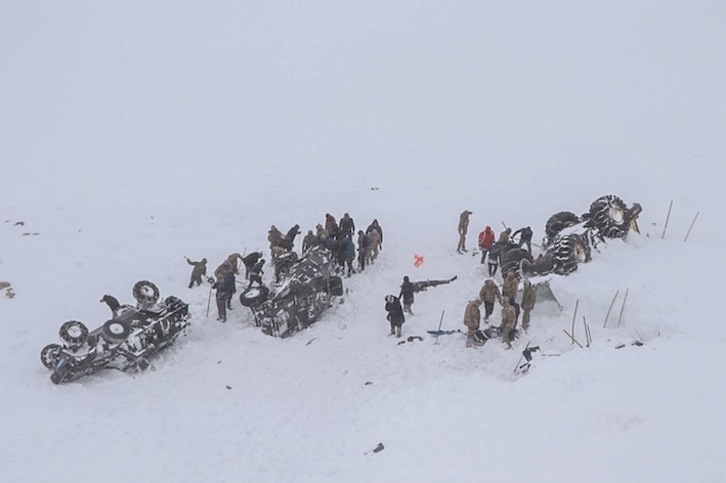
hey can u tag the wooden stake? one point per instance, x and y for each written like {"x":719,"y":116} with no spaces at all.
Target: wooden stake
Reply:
{"x":573,"y":339}
{"x":589,"y":334}
{"x":622,"y":309}
{"x":668,"y":217}
{"x":441,"y":321}
{"x":584,"y":326}
{"x":574,"y":316}
{"x":690,"y":227}
{"x":609,"y":309}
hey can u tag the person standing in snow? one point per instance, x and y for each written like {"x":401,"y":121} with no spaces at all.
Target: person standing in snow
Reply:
{"x":463,"y":229}
{"x":529,"y":298}
{"x":347,"y":225}
{"x":199,"y":270}
{"x":395,"y":314}
{"x":348,"y":248}
{"x":504,"y":242}
{"x":375,"y":226}
{"x":407,"y":291}
{"x":224,"y":293}
{"x":249,"y":261}
{"x":288,"y":241}
{"x":486,"y":240}
{"x":525,"y":238}
{"x":320,"y":231}
{"x":331,"y":227}
{"x":493,"y":260}
{"x":309,"y":241}
{"x":509,"y":320}
{"x":488,"y":294}
{"x":364,"y":244}
{"x":472,"y":320}
{"x":255,"y":273}
{"x":274,"y":236}
{"x":232,"y":262}
{"x":509,"y":292}
{"x":375,"y":240}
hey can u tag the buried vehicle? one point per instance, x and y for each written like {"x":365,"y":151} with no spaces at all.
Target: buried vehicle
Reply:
{"x":569,"y":239}
{"x":124,"y":342}
{"x":303,"y":296}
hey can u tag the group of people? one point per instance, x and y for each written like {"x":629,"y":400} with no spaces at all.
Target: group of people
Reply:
{"x":492,"y":248}
{"x":336,"y":237}
{"x":506,"y":296}
{"x":396,"y":312}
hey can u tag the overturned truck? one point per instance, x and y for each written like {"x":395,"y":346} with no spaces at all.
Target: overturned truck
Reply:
{"x":570,"y":239}
{"x":305,"y":293}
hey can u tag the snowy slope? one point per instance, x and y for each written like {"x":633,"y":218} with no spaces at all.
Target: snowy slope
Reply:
{"x":133,"y":135}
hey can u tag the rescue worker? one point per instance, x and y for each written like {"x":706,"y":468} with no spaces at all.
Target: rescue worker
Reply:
{"x":472,"y":320}
{"x":510,"y":286}
{"x":375,"y":238}
{"x":255,"y":273}
{"x":529,"y":298}
{"x":364,"y":246}
{"x":486,"y":240}
{"x":274,"y":236}
{"x":347,"y":248}
{"x":395,"y":314}
{"x":224,"y":292}
{"x":463,"y":229}
{"x":320,"y":231}
{"x":488,"y":294}
{"x":232,"y":262}
{"x":309,"y":241}
{"x":331,"y":227}
{"x":525,"y":238}
{"x":493,"y":260}
{"x":509,"y":320}
{"x":375,"y":226}
{"x":347,"y":225}
{"x":223,"y":267}
{"x":249,"y":261}
{"x":199,"y":270}
{"x":407,"y":291}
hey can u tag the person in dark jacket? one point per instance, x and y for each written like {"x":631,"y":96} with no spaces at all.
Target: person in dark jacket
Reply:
{"x":493,"y":260}
{"x":288,"y":241}
{"x":255,"y":273}
{"x":249,"y":261}
{"x":364,"y":246}
{"x":375,"y":226}
{"x":199,"y":270}
{"x":224,"y":292}
{"x":349,"y":253}
{"x":331,"y":227}
{"x":395,"y":314}
{"x":309,"y":241}
{"x":525,"y":238}
{"x":112,"y":303}
{"x":347,"y":225}
{"x":230,"y":287}
{"x":407,"y":291}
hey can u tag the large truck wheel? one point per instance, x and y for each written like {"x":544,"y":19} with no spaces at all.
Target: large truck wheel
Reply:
{"x":145,"y":293}
{"x":50,"y":354}
{"x":557,"y":223}
{"x":115,"y":330}
{"x":73,"y":334}
{"x":254,"y":296}
{"x":610,"y":217}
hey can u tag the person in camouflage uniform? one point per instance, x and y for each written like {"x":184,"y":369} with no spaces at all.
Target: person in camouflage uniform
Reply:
{"x":510,"y":286}
{"x":309,"y":241}
{"x":529,"y":298}
{"x":274,"y":236}
{"x":232,"y":262}
{"x":504,"y":242}
{"x":509,"y":319}
{"x":331,"y":227}
{"x":488,"y":294}
{"x":199,"y":270}
{"x":463,"y":229}
{"x":224,"y":267}
{"x":375,"y":238}
{"x":320,"y":231}
{"x":347,"y":225}
{"x":249,"y":261}
{"x":472,"y":320}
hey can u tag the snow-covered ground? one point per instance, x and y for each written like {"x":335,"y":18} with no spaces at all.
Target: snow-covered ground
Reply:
{"x":134,"y":134}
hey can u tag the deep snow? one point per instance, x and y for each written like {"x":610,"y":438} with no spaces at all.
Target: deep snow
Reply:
{"x":134,"y":134}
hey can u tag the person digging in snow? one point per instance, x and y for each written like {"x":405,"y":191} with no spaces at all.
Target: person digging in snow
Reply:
{"x":525,"y":238}
{"x":250,"y":261}
{"x":199,"y":270}
{"x":472,"y":320}
{"x":509,"y":320}
{"x":529,"y":298}
{"x":488,"y":294}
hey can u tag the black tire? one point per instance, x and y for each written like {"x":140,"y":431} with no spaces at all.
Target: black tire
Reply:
{"x":557,"y":223}
{"x":171,"y":300}
{"x":254,"y":296}
{"x":335,"y":286}
{"x":73,"y":334}
{"x":145,"y":293}
{"x":610,"y":217}
{"x":115,"y":330}
{"x":50,"y":354}
{"x":568,"y":251}
{"x":512,"y":260}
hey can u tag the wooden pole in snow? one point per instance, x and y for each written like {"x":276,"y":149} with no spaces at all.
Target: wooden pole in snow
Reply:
{"x":441,"y":321}
{"x":573,"y":339}
{"x":668,"y":217}
{"x":587,"y":335}
{"x":690,"y":227}
{"x":574,"y":316}
{"x":609,"y":309}
{"x":622,"y":309}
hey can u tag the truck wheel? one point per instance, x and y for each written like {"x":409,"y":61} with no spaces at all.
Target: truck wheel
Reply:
{"x":557,"y":223}
{"x":254,"y":296}
{"x":335,"y":286}
{"x":49,"y":355}
{"x":568,"y":252}
{"x":146,"y":293}
{"x":115,"y":330}
{"x":73,"y":334}
{"x":610,"y":216}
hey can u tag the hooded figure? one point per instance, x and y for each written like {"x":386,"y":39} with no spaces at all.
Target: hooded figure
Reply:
{"x":250,"y":261}
{"x":347,"y":225}
{"x":509,"y":319}
{"x":199,"y":270}
{"x":395,"y":314}
{"x":407,"y":291}
{"x":486,"y":240}
{"x":463,"y":229}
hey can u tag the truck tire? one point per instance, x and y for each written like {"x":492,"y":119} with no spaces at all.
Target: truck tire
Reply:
{"x":145,"y":293}
{"x":50,"y":354}
{"x":115,"y":330}
{"x":610,"y":217}
{"x":254,"y":296}
{"x":557,"y":223}
{"x":73,"y":334}
{"x":568,"y":251}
